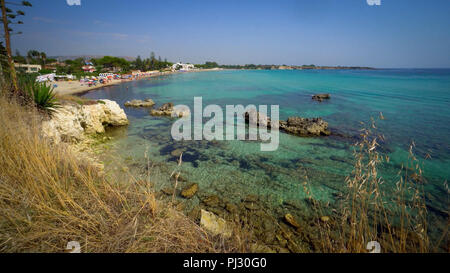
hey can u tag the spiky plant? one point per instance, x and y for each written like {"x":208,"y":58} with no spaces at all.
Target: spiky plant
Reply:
{"x":42,"y":94}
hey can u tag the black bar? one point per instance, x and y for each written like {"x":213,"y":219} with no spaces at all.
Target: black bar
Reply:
{"x":223,"y":262}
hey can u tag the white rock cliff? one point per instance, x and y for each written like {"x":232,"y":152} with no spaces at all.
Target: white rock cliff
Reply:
{"x":73,"y":122}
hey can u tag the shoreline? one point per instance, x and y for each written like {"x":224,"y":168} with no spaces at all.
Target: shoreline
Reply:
{"x":77,"y":88}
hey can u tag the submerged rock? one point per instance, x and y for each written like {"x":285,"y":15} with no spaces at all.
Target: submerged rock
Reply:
{"x":214,"y":224}
{"x":211,"y":201}
{"x":250,"y":202}
{"x":251,"y":206}
{"x":250,"y":198}
{"x":140,"y":103}
{"x":305,"y":126}
{"x":231,"y":208}
{"x":73,"y":122}
{"x":165,"y":110}
{"x":190,"y":190}
{"x":169,"y":110}
{"x":321,"y":97}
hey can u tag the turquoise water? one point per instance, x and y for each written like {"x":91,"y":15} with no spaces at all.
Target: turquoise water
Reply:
{"x":414,"y":103}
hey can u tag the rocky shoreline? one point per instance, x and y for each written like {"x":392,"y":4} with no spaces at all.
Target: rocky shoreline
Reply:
{"x":75,"y":124}
{"x":82,"y":127}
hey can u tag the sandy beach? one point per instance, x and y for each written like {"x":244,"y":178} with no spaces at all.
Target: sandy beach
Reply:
{"x":75,"y":87}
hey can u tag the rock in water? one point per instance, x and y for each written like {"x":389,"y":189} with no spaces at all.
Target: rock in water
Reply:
{"x":250,"y":198}
{"x":214,"y":224}
{"x":190,"y":190}
{"x":305,"y":126}
{"x":140,"y":103}
{"x":321,"y":97}
{"x":231,"y":208}
{"x":169,"y":110}
{"x":165,"y":110}
{"x":211,"y":201}
{"x":291,"y":220}
{"x":251,"y":206}
{"x":166,"y":107}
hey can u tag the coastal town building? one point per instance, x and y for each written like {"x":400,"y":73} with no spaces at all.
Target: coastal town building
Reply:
{"x":182,"y":66}
{"x":29,"y":68}
{"x":88,"y":68}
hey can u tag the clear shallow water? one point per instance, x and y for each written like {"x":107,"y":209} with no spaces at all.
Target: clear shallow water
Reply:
{"x":415,"y":104}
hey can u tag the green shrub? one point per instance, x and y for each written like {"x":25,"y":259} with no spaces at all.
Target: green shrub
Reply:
{"x":42,"y":94}
{"x":45,"y":71}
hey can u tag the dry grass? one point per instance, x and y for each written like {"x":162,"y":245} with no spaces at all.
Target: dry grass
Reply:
{"x":50,"y":196}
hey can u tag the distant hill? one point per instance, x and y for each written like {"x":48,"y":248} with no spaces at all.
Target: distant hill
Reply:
{"x":88,"y":57}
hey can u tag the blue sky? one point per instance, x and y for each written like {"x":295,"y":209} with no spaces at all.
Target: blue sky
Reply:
{"x":398,"y":33}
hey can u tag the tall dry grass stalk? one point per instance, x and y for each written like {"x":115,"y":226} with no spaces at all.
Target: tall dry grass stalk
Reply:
{"x":49,"y":196}
{"x":367,"y":213}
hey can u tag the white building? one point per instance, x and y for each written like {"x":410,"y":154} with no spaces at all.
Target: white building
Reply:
{"x":183,"y":66}
{"x":29,"y":68}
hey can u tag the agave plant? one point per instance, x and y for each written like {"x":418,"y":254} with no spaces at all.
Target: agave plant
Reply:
{"x":42,"y":94}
